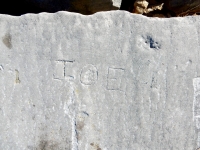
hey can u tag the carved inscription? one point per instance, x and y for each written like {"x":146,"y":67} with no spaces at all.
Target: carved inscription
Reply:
{"x":115,"y":79}
{"x":68,"y":70}
{"x":63,"y":69}
{"x":89,"y":75}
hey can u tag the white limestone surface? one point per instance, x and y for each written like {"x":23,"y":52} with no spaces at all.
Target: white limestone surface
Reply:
{"x":109,"y":81}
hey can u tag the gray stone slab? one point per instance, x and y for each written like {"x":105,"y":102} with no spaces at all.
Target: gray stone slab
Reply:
{"x":110,"y":81}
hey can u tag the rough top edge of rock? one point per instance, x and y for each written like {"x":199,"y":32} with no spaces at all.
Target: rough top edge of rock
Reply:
{"x":104,"y":13}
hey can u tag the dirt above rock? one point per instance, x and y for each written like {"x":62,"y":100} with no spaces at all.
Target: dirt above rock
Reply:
{"x":162,"y":8}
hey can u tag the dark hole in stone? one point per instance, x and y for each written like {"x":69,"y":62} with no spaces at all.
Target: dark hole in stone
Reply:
{"x":152,"y":43}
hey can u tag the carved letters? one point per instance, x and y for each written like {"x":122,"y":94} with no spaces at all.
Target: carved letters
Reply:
{"x":89,"y":74}
{"x":59,"y":70}
{"x":63,"y":69}
{"x":115,"y":79}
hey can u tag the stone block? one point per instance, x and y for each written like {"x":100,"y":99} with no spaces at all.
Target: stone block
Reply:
{"x":112,"y":80}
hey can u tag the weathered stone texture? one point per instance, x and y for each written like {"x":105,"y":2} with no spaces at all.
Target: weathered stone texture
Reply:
{"x":110,"y":81}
